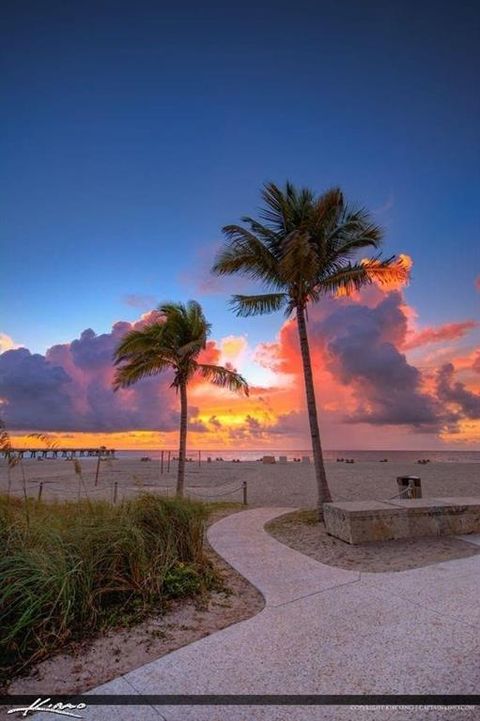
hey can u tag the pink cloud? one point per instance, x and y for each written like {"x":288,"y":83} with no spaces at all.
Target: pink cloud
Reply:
{"x":362,"y":375}
{"x":439,"y":334}
{"x":70,"y":388}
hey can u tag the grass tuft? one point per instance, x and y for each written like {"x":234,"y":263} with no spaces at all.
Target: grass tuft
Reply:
{"x":70,"y":569}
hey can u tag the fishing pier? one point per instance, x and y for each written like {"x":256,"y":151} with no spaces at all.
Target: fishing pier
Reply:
{"x":55,"y":452}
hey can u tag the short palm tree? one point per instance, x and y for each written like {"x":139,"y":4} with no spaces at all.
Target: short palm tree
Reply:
{"x":174,"y":342}
{"x":302,"y":248}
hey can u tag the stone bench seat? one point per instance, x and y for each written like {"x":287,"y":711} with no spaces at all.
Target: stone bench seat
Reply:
{"x":365,"y":521}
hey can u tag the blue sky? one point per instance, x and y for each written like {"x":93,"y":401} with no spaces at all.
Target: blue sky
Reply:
{"x":132,"y":132}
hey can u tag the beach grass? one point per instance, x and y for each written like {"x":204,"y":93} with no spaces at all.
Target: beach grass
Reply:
{"x":70,"y":569}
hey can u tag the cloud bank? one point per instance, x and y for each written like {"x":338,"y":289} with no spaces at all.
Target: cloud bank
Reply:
{"x":364,"y":378}
{"x":69,"y":389}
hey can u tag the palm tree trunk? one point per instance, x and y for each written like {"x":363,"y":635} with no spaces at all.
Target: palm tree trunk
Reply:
{"x":324,"y":495}
{"x":183,"y":441}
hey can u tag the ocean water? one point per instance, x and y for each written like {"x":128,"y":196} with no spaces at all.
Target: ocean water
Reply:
{"x":358,"y":456}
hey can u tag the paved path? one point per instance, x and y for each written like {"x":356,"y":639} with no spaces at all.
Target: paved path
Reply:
{"x":323,"y":630}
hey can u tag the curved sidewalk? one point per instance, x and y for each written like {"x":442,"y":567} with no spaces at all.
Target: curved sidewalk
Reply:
{"x":323,"y":630}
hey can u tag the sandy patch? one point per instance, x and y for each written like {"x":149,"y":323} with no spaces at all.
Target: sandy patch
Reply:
{"x":300,"y":531}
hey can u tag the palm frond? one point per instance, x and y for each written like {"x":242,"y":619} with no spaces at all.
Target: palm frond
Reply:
{"x":394,"y":271}
{"x":327,"y":209}
{"x":184,"y":324}
{"x":248,"y":305}
{"x":354,"y":230}
{"x":303,"y":246}
{"x":192,"y":348}
{"x":286,"y":209}
{"x":223,"y":377}
{"x":138,"y":368}
{"x":354,"y":276}
{"x":139,"y":341}
{"x":277,"y":211}
{"x":244,"y":252}
{"x":268,"y":236}
{"x":300,"y":260}
{"x":172,"y":344}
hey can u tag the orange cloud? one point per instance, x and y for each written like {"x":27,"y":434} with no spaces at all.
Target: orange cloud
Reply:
{"x":211,"y":353}
{"x":233,"y":349}
{"x":6,"y":343}
{"x":467,"y":433}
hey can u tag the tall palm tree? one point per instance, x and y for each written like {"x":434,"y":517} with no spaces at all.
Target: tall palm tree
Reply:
{"x":173,"y":342}
{"x":303,"y":247}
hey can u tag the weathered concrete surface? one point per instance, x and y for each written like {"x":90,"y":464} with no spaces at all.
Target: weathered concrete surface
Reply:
{"x":323,"y":630}
{"x":364,"y":521}
{"x":272,"y":567}
{"x":472,"y":538}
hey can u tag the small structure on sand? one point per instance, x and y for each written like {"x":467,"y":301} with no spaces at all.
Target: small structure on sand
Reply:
{"x":365,"y":521}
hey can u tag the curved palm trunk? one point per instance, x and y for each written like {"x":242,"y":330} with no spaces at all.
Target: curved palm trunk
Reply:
{"x":183,"y":441}
{"x":321,"y":478}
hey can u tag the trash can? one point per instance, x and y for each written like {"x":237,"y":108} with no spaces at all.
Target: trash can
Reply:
{"x":409,"y":486}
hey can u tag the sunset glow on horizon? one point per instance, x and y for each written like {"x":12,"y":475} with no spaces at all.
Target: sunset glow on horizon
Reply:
{"x":375,"y":366}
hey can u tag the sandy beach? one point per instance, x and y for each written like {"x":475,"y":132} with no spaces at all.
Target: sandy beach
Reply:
{"x":290,"y":484}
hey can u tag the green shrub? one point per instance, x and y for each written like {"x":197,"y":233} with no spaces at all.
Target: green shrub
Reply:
{"x":182,"y":580}
{"x":70,"y":569}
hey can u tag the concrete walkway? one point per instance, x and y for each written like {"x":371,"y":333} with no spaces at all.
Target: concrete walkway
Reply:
{"x":323,"y":630}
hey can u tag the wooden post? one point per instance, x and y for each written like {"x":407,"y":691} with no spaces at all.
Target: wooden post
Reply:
{"x":40,"y":489}
{"x":199,"y":458}
{"x":168,"y":461}
{"x":161,"y":462}
{"x":115,"y":491}
{"x":97,"y":471}
{"x":244,"y":492}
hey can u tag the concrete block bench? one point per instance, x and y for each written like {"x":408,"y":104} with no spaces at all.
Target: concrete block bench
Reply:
{"x":364,"y":521}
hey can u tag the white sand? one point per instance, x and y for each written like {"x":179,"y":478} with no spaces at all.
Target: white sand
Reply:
{"x":289,"y":484}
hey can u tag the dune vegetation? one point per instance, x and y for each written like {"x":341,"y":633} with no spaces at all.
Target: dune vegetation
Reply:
{"x":71,"y":569}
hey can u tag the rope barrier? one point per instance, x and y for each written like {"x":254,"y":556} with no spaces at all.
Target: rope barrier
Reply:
{"x":380,"y":500}
{"x":222,"y":485}
{"x":399,"y":495}
{"x":214,"y":495}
